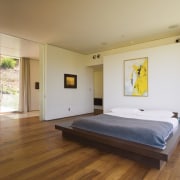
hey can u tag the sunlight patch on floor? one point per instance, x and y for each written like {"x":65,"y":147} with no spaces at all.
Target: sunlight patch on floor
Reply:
{"x":17,"y":115}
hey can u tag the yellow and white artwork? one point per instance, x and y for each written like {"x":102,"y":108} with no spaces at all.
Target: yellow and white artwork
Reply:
{"x":136,"y":77}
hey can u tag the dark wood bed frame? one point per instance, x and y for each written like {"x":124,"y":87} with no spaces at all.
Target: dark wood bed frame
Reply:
{"x":144,"y":154}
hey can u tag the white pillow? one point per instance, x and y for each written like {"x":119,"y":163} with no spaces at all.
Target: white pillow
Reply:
{"x":156,"y":113}
{"x":125,"y":110}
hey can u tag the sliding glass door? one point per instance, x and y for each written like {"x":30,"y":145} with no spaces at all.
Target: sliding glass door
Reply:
{"x":9,"y":84}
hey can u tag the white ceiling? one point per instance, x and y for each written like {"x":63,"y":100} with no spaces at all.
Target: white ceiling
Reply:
{"x":88,"y":26}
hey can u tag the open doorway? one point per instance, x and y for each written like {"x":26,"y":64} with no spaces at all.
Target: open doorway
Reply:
{"x":9,"y":84}
{"x":98,"y":89}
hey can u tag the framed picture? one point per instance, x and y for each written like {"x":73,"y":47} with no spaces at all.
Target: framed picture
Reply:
{"x":136,"y":77}
{"x":70,"y":81}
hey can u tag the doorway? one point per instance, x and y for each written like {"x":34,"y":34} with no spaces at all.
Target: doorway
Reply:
{"x":98,"y":89}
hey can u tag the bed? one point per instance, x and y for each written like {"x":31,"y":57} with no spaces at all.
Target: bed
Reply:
{"x":115,"y":130}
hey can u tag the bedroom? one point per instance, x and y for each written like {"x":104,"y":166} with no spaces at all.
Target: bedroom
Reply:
{"x":163,"y":65}
{"x":34,"y":157}
{"x":57,"y":102}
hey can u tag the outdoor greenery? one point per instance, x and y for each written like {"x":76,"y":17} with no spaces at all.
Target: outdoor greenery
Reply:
{"x":9,"y":90}
{"x":8,"y":63}
{"x":9,"y":84}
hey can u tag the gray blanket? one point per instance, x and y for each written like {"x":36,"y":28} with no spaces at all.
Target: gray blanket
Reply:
{"x":151,"y":133}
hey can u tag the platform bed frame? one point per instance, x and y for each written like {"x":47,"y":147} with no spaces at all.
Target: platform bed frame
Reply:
{"x":144,"y":154}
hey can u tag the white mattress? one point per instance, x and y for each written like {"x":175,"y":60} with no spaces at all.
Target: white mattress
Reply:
{"x":173,"y":121}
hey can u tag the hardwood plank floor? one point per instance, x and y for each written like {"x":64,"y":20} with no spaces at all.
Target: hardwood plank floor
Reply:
{"x":33,"y":149}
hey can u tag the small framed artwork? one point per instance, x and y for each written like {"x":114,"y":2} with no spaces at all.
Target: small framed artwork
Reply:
{"x":70,"y":81}
{"x":136,"y":77}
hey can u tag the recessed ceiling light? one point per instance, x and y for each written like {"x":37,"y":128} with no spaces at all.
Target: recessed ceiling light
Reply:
{"x":174,"y":26}
{"x":104,"y":43}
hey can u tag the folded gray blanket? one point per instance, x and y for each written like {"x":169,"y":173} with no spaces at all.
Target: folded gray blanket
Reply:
{"x":151,"y":133}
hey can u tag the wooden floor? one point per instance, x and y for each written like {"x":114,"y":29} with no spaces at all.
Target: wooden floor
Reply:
{"x":33,"y":149}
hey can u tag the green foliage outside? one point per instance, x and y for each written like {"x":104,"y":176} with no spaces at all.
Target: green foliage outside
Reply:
{"x":8,"y":63}
{"x":8,"y":90}
{"x":9,"y":84}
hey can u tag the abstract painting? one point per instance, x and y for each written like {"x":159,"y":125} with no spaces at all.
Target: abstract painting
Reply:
{"x":136,"y":77}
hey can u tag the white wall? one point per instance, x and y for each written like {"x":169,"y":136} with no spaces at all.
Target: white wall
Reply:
{"x":58,"y":99}
{"x":34,"y":77}
{"x":163,"y":79}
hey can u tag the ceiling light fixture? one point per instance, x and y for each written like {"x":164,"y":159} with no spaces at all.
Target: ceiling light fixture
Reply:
{"x":178,"y":40}
{"x":174,"y":26}
{"x":96,"y":56}
{"x":103,"y":43}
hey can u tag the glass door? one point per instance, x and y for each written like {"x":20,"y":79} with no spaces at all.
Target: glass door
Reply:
{"x":9,"y":84}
